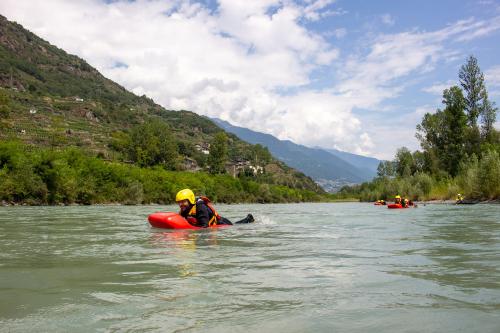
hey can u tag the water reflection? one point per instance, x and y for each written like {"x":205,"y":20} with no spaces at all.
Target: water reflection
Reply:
{"x":188,"y":240}
{"x":184,"y":247}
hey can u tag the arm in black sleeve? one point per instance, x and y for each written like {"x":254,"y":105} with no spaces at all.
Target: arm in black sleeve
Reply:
{"x":202,"y":215}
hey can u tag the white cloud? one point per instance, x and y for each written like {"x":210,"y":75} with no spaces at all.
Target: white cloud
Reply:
{"x":438,"y":88}
{"x":233,"y":62}
{"x":422,"y":110}
{"x":337,"y":33}
{"x":480,"y":29}
{"x":492,"y":76}
{"x":314,"y":10}
{"x":387,"y":19}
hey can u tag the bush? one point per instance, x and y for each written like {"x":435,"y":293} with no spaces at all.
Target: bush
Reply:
{"x":488,"y":175}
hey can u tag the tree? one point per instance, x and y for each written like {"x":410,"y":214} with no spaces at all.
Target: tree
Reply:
{"x":443,"y":135}
{"x":218,"y":154}
{"x":455,"y":127}
{"x":420,"y":162}
{"x":488,"y":118}
{"x":472,"y":81}
{"x":429,"y":131}
{"x":152,"y":144}
{"x":381,"y":169}
{"x":385,"y":169}
{"x":404,"y":162}
{"x":261,"y":155}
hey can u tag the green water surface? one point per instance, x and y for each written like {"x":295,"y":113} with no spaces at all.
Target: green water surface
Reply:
{"x":346,"y":267}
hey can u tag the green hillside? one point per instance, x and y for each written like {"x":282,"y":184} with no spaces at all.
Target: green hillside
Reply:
{"x":52,"y":100}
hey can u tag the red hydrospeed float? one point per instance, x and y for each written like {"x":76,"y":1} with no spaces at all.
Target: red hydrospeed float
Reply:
{"x":396,"y":206}
{"x":170,"y":220}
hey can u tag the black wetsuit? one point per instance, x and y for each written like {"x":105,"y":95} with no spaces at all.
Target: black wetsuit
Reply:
{"x":204,"y":214}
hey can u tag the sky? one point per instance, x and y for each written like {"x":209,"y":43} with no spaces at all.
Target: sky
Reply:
{"x":353,"y":75}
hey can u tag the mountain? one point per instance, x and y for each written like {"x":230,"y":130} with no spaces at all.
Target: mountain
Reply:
{"x":49,"y":98}
{"x":368,"y":165}
{"x":330,"y":169}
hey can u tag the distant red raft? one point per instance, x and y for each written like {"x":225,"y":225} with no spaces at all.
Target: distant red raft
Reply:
{"x":395,"y":206}
{"x":170,"y":220}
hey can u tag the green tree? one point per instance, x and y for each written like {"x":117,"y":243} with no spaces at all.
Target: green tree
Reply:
{"x":385,"y":169}
{"x":218,"y":154}
{"x":488,"y":118}
{"x":443,"y":135}
{"x":153,"y":144}
{"x":472,"y":81}
{"x":489,"y":174}
{"x":419,"y":161}
{"x":430,"y":133}
{"x":261,"y":155}
{"x":404,"y":162}
{"x":455,"y":125}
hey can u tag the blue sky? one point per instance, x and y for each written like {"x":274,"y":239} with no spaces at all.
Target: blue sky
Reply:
{"x":352,"y":75}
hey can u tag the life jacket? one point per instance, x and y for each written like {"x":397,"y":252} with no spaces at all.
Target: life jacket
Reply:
{"x":191,"y":216}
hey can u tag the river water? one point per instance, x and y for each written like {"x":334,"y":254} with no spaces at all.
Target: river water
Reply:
{"x":346,"y":267}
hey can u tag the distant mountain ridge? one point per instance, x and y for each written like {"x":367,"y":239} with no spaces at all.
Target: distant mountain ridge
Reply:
{"x":330,"y":168}
{"x":366,"y":164}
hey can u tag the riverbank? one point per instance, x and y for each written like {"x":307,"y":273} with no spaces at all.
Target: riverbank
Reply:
{"x":454,"y":202}
{"x":25,"y":204}
{"x":421,"y":203}
{"x":36,"y":176}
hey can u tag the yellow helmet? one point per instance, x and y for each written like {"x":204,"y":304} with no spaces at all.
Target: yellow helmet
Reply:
{"x":398,"y":197}
{"x":185,"y":194}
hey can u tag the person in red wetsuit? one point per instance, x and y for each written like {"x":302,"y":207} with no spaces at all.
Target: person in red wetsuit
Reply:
{"x":200,"y":212}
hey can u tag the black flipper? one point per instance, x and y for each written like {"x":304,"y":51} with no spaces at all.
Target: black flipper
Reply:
{"x":248,"y":219}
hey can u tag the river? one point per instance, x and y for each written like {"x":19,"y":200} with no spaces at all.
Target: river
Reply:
{"x":344,"y":267}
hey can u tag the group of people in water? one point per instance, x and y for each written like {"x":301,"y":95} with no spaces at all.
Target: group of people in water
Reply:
{"x":404,"y":202}
{"x":200,"y":212}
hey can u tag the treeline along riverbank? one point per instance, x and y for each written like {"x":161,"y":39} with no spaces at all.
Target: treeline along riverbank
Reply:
{"x":460,"y":150}
{"x":39,"y":176}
